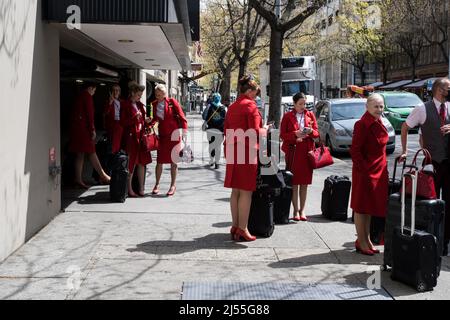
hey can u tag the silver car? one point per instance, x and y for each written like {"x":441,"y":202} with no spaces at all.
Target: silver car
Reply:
{"x":336,"y":119}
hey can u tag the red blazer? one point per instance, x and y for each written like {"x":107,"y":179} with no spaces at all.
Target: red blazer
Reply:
{"x":370,"y":174}
{"x":172,"y":111}
{"x":83,"y":113}
{"x":131,"y":123}
{"x":289,"y":125}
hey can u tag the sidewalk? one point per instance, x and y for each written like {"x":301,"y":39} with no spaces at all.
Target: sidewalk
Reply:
{"x":154,"y":247}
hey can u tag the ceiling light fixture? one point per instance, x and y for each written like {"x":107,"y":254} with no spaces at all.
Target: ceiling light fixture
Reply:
{"x":149,"y":59}
{"x":140,"y":52}
{"x":125,"y":41}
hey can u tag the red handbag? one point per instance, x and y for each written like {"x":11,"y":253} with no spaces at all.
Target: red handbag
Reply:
{"x":425,"y":180}
{"x":320,"y":157}
{"x":150,"y":141}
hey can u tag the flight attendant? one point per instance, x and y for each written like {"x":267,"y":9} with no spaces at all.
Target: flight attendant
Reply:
{"x":112,"y":118}
{"x":83,"y":135}
{"x":370,"y":173}
{"x":170,"y":117}
{"x":298,"y":131}
{"x":133,"y":119}
{"x":242,"y":156}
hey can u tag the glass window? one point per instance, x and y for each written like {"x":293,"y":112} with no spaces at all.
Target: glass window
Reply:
{"x":403,"y":101}
{"x":292,"y":88}
{"x":348,"y":111}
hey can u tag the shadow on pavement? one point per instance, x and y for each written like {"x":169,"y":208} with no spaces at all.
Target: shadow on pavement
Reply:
{"x":98,"y":198}
{"x":212,"y":241}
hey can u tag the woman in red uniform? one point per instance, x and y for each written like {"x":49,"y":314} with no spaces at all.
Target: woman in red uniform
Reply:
{"x":170,"y":117}
{"x":242,"y":155}
{"x":298,"y":131}
{"x":132,"y":119}
{"x":370,"y":174}
{"x":83,"y":135}
{"x":112,"y":118}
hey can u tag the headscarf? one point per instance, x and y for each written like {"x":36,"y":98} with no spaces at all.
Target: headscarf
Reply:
{"x":216,"y":100}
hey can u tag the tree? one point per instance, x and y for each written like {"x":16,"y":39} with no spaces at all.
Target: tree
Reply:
{"x":247,"y":28}
{"x":292,"y":14}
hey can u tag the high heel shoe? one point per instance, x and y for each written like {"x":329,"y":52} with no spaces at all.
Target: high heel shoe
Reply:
{"x":155,"y":190}
{"x":241,"y":235}
{"x":364,"y":252}
{"x":233,"y":231}
{"x":172,"y":191}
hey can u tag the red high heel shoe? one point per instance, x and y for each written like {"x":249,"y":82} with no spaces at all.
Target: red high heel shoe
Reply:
{"x":155,"y":190}
{"x":364,"y":252}
{"x":233,"y":231}
{"x":172,"y":191}
{"x":241,"y":235}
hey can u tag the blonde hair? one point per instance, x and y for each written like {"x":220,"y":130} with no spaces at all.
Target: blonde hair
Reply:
{"x":375,"y":97}
{"x":161,"y":88}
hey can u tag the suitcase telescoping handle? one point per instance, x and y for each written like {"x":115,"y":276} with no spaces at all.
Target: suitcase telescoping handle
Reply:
{"x":397,"y":161}
{"x":413,"y":174}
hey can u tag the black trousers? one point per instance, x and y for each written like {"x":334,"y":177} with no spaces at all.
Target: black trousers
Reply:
{"x":442,"y":183}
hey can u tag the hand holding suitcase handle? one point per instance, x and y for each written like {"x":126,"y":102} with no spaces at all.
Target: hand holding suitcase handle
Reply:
{"x":413,"y":175}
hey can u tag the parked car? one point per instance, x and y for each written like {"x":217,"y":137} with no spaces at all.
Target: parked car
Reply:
{"x":398,"y":106}
{"x":336,"y":119}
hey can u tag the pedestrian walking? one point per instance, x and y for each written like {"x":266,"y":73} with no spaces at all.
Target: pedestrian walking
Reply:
{"x":215,"y":120}
{"x":83,"y":135}
{"x":433,"y":118}
{"x":170,"y":117}
{"x":298,"y":131}
{"x":370,"y":173}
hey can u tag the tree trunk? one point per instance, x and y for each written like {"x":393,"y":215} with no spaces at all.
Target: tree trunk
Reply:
{"x":225,"y":87}
{"x":413,"y":68}
{"x":276,"y":54}
{"x":242,"y":71}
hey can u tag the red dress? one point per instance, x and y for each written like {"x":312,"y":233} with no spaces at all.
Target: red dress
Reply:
{"x":113,"y":126}
{"x":174,"y":117}
{"x":297,"y":152}
{"x":133,"y":122}
{"x":243,"y":114}
{"x":370,"y":173}
{"x":82,"y":125}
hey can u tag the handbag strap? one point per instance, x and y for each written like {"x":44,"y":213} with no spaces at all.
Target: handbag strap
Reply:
{"x":426,"y":153}
{"x":212,"y":115}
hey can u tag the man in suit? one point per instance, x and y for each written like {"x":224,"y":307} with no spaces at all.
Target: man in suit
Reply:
{"x":433,"y":118}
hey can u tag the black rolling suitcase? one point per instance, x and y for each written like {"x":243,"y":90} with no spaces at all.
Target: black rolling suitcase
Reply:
{"x":261,"y":219}
{"x":282,"y":204}
{"x":378,"y":224}
{"x":416,"y":261}
{"x":335,"y":198}
{"x":429,"y":216}
{"x":118,"y":188}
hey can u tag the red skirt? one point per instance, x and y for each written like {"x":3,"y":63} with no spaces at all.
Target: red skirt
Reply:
{"x":136,"y":156}
{"x":300,"y":167}
{"x":168,"y":152}
{"x":81,"y":142}
{"x":241,"y":176}
{"x":116,"y":136}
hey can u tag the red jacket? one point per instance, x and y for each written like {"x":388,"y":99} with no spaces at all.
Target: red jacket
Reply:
{"x":289,"y":125}
{"x":82,"y":124}
{"x":132,"y":123}
{"x":174,"y":117}
{"x":370,"y":174}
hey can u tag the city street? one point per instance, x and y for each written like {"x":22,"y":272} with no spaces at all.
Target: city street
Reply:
{"x":179,"y":248}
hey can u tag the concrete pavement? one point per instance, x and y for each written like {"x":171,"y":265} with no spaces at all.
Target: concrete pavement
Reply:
{"x":148,"y":248}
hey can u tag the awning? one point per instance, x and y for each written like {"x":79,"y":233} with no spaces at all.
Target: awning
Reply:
{"x":395,"y":85}
{"x":378,"y":84}
{"x":420,"y":84}
{"x":151,"y":34}
{"x":152,"y":78}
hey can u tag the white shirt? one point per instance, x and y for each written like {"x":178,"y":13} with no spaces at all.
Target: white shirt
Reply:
{"x":301,"y":120}
{"x":117,"y":110}
{"x":419,"y":115}
{"x":160,"y":110}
